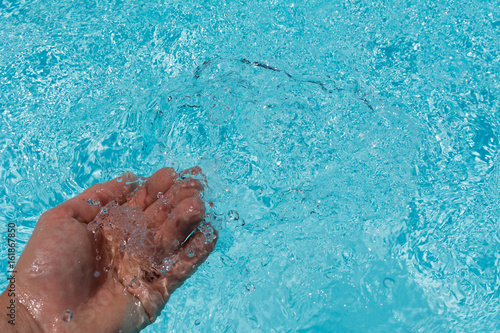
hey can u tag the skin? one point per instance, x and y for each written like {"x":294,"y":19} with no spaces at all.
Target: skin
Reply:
{"x":111,"y":255}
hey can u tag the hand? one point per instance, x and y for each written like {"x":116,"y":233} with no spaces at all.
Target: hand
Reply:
{"x":108,"y":259}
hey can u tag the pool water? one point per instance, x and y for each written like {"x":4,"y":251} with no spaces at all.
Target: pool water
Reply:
{"x":351,"y":149}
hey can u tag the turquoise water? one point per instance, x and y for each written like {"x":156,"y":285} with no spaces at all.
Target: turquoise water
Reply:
{"x":351,"y":149}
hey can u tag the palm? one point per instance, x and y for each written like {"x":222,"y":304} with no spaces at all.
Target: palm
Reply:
{"x":108,"y":261}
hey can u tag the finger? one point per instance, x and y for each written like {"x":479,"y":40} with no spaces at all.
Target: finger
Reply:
{"x":85,"y":206}
{"x":147,"y":193}
{"x":192,"y":254}
{"x":184,"y":188}
{"x":162,"y":208}
{"x":185,"y":217}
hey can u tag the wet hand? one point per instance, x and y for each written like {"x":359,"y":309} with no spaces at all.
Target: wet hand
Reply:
{"x":109,"y":259}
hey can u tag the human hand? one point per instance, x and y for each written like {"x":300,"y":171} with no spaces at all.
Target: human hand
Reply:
{"x":108,"y":259}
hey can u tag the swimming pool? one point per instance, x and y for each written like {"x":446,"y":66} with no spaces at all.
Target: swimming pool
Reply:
{"x":350,"y":148}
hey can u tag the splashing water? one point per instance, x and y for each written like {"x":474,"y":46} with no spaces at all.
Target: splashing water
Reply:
{"x":128,"y":231}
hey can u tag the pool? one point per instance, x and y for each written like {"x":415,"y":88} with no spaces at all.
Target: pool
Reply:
{"x":351,"y":149}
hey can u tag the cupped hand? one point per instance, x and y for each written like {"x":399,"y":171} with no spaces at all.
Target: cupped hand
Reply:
{"x":108,"y":259}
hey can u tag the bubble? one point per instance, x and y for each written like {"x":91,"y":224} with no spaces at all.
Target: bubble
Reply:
{"x":197,"y":322}
{"x":104,"y":210}
{"x":191,"y":254}
{"x":389,"y":283}
{"x":159,"y":195}
{"x":67,"y":315}
{"x":98,"y":258}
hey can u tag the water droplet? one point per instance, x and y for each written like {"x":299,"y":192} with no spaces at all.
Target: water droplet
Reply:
{"x":197,"y":322}
{"x":250,"y":287}
{"x":119,"y":180}
{"x":90,"y":202}
{"x":67,"y":315}
{"x":389,"y":283}
{"x":123,"y":245}
{"x":330,"y":273}
{"x":104,"y":210}
{"x":97,"y":274}
{"x":134,"y":283}
{"x":159,"y":195}
{"x":190,"y":254}
{"x":106,"y":269}
{"x":168,"y":264}
{"x":98,"y":258}
{"x":233,"y":215}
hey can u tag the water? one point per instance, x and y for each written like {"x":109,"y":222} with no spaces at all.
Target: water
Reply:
{"x":67,"y":315}
{"x":350,"y":148}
